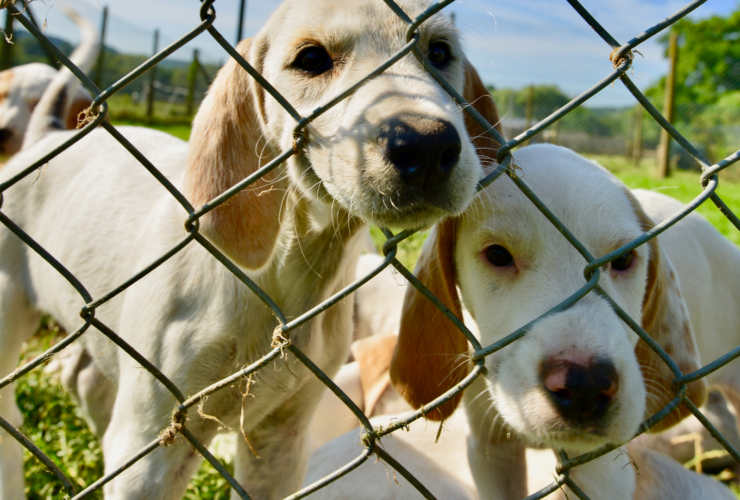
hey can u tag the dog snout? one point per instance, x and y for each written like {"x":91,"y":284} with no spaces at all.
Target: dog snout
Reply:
{"x":5,"y":134}
{"x":580,"y":391}
{"x":423,"y":150}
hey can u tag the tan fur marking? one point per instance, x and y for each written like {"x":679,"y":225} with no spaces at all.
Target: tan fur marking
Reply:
{"x":666,"y":319}
{"x":6,"y":81}
{"x":478,"y":95}
{"x":374,"y":355}
{"x":428,"y":360}
{"x":77,"y":107}
{"x":224,"y":150}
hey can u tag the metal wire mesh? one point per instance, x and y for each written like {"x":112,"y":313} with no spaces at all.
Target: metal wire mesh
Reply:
{"x":621,"y":56}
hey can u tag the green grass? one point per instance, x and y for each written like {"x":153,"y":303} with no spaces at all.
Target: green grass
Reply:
{"x":53,"y":421}
{"x":682,"y":185}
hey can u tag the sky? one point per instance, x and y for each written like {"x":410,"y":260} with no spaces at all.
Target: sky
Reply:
{"x":512,"y":43}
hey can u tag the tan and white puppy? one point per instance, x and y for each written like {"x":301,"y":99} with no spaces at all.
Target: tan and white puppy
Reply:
{"x":21,"y":89}
{"x":579,"y":378}
{"x":395,"y":151}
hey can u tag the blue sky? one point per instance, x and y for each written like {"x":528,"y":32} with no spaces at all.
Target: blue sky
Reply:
{"x":512,"y":43}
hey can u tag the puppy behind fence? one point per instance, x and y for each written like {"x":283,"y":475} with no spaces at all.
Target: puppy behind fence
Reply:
{"x":708,"y":180}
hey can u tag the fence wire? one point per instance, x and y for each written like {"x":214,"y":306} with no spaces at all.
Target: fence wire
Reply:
{"x":619,"y":54}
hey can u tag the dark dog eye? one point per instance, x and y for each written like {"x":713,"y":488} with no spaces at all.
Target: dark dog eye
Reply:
{"x":499,"y":256}
{"x":314,"y":60}
{"x":624,"y":262}
{"x":439,"y":54}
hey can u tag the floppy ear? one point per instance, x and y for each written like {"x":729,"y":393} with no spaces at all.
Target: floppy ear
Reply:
{"x":478,"y":95}
{"x":78,"y":106}
{"x":430,"y":355}
{"x":665,"y":318}
{"x":225,"y":148}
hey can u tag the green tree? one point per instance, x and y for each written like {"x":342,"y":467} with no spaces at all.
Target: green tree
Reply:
{"x":707,"y":83}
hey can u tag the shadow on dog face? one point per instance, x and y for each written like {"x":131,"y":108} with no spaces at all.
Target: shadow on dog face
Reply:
{"x":395,"y":152}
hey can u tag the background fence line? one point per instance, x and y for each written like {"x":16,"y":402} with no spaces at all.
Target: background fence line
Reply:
{"x":707,"y":181}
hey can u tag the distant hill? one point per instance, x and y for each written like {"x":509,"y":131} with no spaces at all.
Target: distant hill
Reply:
{"x":170,"y":72}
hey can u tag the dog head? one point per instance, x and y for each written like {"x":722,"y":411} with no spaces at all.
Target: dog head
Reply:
{"x":394,"y":152}
{"x":21,"y":89}
{"x":578,"y":378}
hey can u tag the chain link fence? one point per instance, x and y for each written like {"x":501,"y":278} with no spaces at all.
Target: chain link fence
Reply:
{"x":619,"y":54}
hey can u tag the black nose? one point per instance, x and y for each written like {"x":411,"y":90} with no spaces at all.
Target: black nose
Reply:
{"x":423,"y":150}
{"x":580,"y":393}
{"x":5,"y":134}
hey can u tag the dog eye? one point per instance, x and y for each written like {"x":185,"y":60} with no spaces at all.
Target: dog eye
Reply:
{"x":624,"y":262}
{"x":439,"y":54}
{"x":314,"y":60}
{"x":499,"y":256}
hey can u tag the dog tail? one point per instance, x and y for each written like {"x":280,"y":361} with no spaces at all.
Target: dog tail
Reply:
{"x":54,"y":106}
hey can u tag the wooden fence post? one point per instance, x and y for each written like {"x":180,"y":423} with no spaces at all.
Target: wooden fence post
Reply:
{"x":6,"y":54}
{"x":192,"y":75}
{"x":664,"y":152}
{"x":637,"y":139}
{"x":528,"y":111}
{"x":240,"y":26}
{"x":51,"y":57}
{"x":100,"y":64}
{"x":152,"y":79}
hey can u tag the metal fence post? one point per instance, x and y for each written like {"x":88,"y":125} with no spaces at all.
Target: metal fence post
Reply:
{"x":152,"y":79}
{"x":637,"y":138}
{"x":240,"y":27}
{"x":49,"y":55}
{"x":664,"y":152}
{"x":100,"y":65}
{"x":528,"y":110}
{"x":6,"y":55}
{"x":192,"y":75}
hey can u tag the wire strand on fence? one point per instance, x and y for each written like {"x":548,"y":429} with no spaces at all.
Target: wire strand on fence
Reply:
{"x":619,"y":53}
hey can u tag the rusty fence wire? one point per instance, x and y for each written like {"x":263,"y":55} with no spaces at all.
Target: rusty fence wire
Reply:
{"x":619,"y":54}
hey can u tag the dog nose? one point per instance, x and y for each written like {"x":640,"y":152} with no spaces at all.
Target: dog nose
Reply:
{"x":423,"y":150}
{"x":580,"y":393}
{"x":5,"y":134}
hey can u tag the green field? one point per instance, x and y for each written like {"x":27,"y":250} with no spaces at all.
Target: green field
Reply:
{"x":55,"y":424}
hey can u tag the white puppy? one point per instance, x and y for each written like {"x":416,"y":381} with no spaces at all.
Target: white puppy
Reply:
{"x":396,"y":151}
{"x":579,"y":378}
{"x":21,"y":89}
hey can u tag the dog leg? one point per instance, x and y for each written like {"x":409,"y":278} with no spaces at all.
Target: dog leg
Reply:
{"x":141,"y":411}
{"x":609,"y":477}
{"x":497,"y":459}
{"x":281,"y":442}
{"x":18,"y":321}
{"x":729,"y":386}
{"x":89,"y":386}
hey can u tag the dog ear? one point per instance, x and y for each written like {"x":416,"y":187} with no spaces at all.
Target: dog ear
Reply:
{"x":480,"y":98}
{"x":78,"y":106}
{"x":665,"y":317}
{"x":224,"y":149}
{"x":430,"y":355}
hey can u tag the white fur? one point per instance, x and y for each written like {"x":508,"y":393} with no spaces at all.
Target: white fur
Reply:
{"x":99,"y":212}
{"x":22,"y":87}
{"x":442,"y":467}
